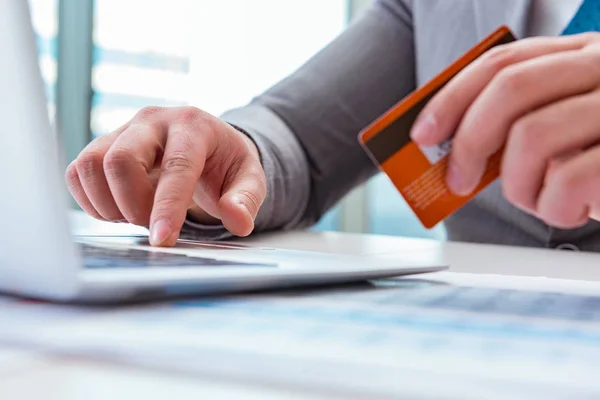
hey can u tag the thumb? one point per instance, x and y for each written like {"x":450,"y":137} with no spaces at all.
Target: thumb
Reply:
{"x":242,"y":196}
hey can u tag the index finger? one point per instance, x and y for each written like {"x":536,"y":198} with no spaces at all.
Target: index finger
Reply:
{"x":441,"y":116}
{"x":181,"y":168}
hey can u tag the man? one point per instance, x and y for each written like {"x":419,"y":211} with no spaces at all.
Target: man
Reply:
{"x":292,"y":153}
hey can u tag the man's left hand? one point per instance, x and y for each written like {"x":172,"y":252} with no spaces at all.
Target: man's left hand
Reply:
{"x":539,"y":99}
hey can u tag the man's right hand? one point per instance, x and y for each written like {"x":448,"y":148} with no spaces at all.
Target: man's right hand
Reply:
{"x":166,"y":163}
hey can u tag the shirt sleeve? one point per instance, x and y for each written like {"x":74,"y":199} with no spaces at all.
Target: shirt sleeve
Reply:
{"x":306,"y":127}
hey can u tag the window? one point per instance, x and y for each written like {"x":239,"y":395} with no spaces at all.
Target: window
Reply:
{"x":243,"y":47}
{"x":137,"y":61}
{"x":210,"y":54}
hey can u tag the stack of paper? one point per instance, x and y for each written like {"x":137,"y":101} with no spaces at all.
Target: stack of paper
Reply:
{"x":447,"y":336}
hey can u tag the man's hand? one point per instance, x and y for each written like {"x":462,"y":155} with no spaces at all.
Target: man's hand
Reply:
{"x":539,"y":99}
{"x":167,"y":162}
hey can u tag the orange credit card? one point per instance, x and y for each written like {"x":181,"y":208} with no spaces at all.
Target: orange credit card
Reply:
{"x":419,"y":173}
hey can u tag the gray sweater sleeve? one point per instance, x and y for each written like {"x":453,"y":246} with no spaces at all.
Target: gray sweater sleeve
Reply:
{"x":306,"y":126}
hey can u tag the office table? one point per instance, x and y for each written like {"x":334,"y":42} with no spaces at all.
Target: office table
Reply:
{"x":28,"y":374}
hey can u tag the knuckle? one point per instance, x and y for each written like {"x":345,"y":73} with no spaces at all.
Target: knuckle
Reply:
{"x":590,"y":37}
{"x":510,"y":80}
{"x":189,"y":115}
{"x":89,"y":162}
{"x":590,"y":62}
{"x":439,"y":106}
{"x":117,"y":160}
{"x":465,"y":149}
{"x":148,"y":113}
{"x":527,"y":136}
{"x":71,"y":175}
{"x":564,"y":180}
{"x":499,"y":57}
{"x":177,"y":161}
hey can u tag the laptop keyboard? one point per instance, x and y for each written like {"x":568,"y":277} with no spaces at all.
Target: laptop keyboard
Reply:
{"x":97,"y":257}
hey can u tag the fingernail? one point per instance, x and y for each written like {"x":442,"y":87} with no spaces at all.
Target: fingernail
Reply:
{"x":161,"y":230}
{"x":454,"y":180}
{"x":424,"y":129}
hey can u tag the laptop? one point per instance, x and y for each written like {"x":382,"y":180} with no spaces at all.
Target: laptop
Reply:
{"x":41,"y":259}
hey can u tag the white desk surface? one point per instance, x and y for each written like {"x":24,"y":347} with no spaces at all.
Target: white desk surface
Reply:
{"x":27,"y":375}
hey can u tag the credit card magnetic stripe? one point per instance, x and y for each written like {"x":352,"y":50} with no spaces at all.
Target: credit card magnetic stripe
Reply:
{"x":391,"y":133}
